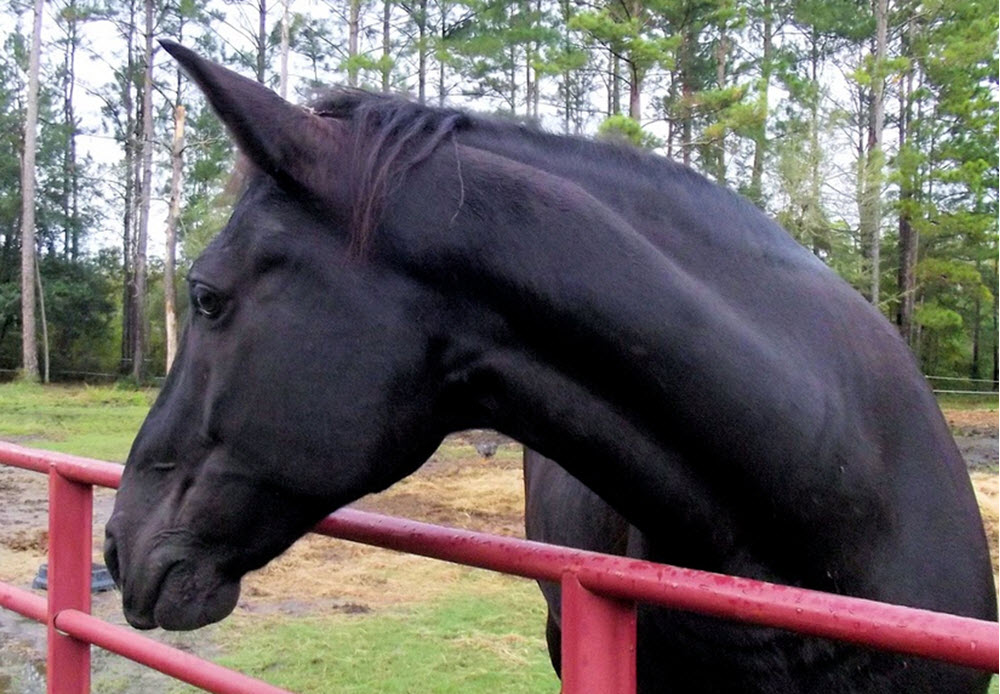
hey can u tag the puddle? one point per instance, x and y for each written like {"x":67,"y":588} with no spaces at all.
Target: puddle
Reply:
{"x":22,"y":666}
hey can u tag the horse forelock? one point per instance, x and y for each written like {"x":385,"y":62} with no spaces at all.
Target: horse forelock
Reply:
{"x":388,"y":137}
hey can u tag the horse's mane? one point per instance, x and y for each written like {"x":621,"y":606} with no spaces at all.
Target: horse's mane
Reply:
{"x":392,"y":135}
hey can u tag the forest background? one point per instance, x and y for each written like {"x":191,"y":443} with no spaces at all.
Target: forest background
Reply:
{"x":868,"y":128}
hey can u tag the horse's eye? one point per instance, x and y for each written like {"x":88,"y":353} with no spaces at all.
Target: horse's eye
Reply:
{"x":206,"y":301}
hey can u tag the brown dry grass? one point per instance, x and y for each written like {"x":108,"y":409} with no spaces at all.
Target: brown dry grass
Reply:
{"x":987,"y":486}
{"x":344,"y":576}
{"x":454,"y":488}
{"x":983,"y":421}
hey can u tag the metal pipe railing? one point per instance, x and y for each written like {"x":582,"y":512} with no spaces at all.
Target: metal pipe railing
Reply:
{"x":599,"y":596}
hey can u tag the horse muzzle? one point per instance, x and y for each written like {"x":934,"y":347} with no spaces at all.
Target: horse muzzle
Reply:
{"x":169,"y":585}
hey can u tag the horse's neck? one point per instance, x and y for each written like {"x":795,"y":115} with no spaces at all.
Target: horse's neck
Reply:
{"x":586,"y":163}
{"x":618,"y":363}
{"x":663,"y":200}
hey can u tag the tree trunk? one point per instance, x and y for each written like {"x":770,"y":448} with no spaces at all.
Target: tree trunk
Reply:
{"x":815,"y":154}
{"x":29,"y":346}
{"x":635,"y":93}
{"x":45,"y":322}
{"x":996,"y":333}
{"x":878,"y":93}
{"x":908,"y":241}
{"x":262,"y":41}
{"x":70,"y":182}
{"x":512,"y":76}
{"x":169,"y":290}
{"x":671,"y":101}
{"x":721,"y":58}
{"x":871,"y":208}
{"x":283,"y":77}
{"x":686,"y":68}
{"x":756,"y":190}
{"x":129,"y":201}
{"x":536,"y":95}
{"x":386,"y":46}
{"x":353,"y":31}
{"x":529,"y":81}
{"x":421,"y":19}
{"x":977,"y":322}
{"x":615,"y":94}
{"x":441,"y":63}
{"x":139,"y":353}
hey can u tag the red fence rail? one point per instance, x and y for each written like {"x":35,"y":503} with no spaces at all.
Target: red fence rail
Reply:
{"x":599,"y":596}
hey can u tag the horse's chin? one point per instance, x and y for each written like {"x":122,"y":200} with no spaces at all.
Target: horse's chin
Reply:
{"x":190,"y":596}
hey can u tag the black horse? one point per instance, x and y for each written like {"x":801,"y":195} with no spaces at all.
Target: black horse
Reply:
{"x":392,"y":273}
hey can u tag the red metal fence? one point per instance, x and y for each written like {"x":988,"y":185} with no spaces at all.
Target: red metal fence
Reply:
{"x":599,"y":596}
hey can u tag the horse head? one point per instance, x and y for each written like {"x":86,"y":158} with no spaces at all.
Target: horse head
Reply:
{"x":304,"y":379}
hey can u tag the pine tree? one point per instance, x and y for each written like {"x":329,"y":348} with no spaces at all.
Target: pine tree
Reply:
{"x":29,"y":345}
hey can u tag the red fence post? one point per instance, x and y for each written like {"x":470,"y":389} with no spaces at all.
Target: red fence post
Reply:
{"x":598,"y":641}
{"x":70,"y":530}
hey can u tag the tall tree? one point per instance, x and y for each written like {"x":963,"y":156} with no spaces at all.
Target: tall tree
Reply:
{"x":766,"y":17}
{"x":121,"y":114}
{"x":870,"y":204}
{"x":907,"y":163}
{"x":173,"y":215}
{"x":285,"y":47}
{"x":140,"y":328}
{"x":417,"y":10}
{"x":248,"y":22}
{"x":29,"y":343}
{"x":955,"y":125}
{"x":70,"y":18}
{"x":631,"y":31}
{"x":353,"y":38}
{"x":179,"y":17}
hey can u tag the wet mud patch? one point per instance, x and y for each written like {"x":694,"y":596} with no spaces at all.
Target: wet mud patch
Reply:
{"x":976,"y":434}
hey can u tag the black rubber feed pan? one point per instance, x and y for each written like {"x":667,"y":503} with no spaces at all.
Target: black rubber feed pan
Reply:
{"x":100,"y":579}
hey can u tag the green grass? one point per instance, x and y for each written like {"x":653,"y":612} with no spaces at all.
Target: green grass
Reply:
{"x":467,"y":643}
{"x":96,"y":422}
{"x":986,"y":401}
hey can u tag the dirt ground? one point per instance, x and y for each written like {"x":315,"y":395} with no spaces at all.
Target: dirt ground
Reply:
{"x":457,"y":487}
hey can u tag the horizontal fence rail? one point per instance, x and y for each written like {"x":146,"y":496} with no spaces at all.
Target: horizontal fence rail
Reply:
{"x":961,"y":385}
{"x":599,"y":592}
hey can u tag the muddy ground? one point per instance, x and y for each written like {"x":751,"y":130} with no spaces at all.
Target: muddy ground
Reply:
{"x":457,"y":487}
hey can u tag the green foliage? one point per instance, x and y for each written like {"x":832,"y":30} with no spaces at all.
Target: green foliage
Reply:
{"x":941,"y":340}
{"x":770,"y":125}
{"x":631,"y":34}
{"x":621,"y":127}
{"x":80,"y":305}
{"x":938,"y":318}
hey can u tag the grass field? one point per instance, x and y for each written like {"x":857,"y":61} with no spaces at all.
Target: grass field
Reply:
{"x":95,"y":422}
{"x":331,"y":615}
{"x":474,"y":640}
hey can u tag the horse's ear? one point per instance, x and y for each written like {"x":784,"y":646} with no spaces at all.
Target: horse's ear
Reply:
{"x":290,"y":143}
